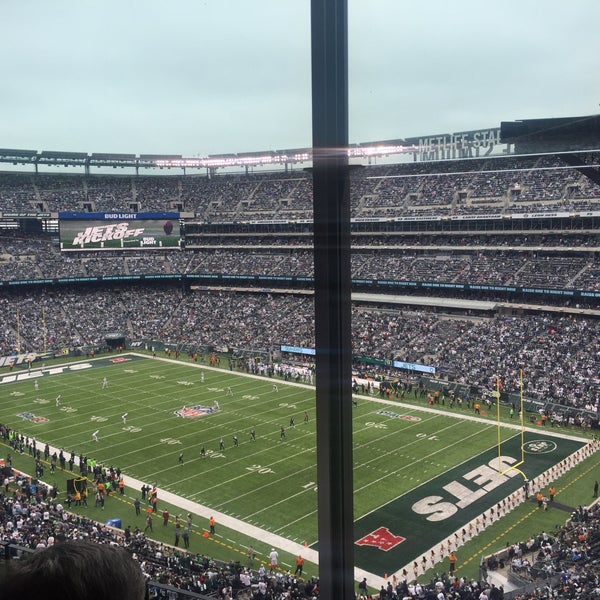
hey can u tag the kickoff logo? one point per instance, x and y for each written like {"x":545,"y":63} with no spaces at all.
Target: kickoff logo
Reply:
{"x":192,"y":412}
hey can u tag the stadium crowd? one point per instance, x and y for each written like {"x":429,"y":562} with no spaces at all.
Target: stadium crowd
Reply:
{"x":471,"y":351}
{"x":500,"y":184}
{"x":33,"y":517}
{"x":563,"y":565}
{"x":433,"y":260}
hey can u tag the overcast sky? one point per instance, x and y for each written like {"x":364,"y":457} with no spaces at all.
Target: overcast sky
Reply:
{"x":200,"y":77}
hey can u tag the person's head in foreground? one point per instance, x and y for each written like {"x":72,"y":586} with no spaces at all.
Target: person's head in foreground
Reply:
{"x":74,"y":571}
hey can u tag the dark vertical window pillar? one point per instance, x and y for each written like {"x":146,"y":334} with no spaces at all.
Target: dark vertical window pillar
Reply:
{"x":329,"y":35}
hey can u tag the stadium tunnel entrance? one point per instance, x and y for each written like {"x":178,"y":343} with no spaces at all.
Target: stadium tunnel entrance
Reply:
{"x":115,"y":341}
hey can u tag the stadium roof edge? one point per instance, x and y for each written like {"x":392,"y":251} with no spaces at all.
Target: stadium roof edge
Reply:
{"x":65,"y":155}
{"x":17,"y":153}
{"x":160,"y":157}
{"x":361,"y":150}
{"x":98,"y":156}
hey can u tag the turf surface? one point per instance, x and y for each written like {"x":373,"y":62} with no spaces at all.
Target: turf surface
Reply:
{"x":402,"y":455}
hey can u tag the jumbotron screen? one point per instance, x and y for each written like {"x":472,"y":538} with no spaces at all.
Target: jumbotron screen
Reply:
{"x":119,"y":231}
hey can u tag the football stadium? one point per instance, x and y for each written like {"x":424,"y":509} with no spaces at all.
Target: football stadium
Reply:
{"x":174,"y":352}
{"x":187,"y":383}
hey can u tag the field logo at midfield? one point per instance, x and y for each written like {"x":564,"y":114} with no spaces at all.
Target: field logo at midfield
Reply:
{"x":393,"y":415}
{"x":381,"y":538}
{"x":539,"y":447}
{"x":27,"y":416}
{"x":191,"y":412}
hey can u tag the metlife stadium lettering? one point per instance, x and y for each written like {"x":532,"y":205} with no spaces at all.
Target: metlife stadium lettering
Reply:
{"x":103,"y":233}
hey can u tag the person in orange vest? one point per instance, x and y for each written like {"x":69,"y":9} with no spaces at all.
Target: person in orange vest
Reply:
{"x":121,"y":486}
{"x":477,"y":408}
{"x":299,"y":565}
{"x":551,"y":493}
{"x":452,"y":558}
{"x":540,"y":499}
{"x":211,"y":523}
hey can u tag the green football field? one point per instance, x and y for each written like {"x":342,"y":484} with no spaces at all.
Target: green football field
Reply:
{"x":408,"y":463}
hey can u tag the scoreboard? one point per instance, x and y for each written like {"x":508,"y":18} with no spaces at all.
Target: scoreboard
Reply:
{"x":119,"y":231}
